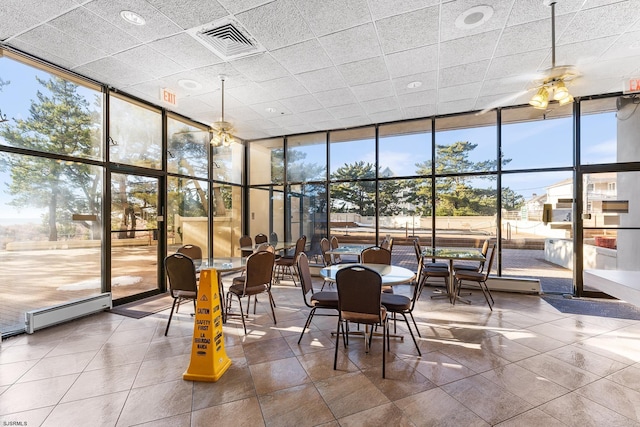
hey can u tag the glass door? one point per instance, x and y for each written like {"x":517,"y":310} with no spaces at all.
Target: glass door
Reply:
{"x":134,"y":234}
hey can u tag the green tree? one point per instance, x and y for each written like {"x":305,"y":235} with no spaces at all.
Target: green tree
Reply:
{"x":60,"y":121}
{"x":455,"y":196}
{"x":354,"y":194}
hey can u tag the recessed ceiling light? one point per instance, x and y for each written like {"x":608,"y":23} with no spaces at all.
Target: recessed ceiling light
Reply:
{"x":474,"y":17}
{"x":132,"y":17}
{"x":414,"y":85}
{"x":189,"y":84}
{"x":270,"y":110}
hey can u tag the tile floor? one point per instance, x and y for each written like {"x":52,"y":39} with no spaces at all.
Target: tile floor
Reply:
{"x":524,"y":364}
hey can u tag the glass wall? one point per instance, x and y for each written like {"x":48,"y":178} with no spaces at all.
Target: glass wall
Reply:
{"x":353,"y":190}
{"x":50,"y":207}
{"x":599,"y":130}
{"x":227,"y":220}
{"x":308,"y":214}
{"x":307,"y":157}
{"x":135,"y":133}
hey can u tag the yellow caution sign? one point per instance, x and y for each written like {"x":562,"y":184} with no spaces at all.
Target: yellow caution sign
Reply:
{"x":208,"y":357}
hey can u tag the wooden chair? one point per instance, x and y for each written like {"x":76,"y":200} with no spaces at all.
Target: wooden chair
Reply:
{"x":477,"y":266}
{"x":245,"y":241}
{"x":192,"y":251}
{"x":287,"y":263}
{"x":375,"y":255}
{"x":359,"y":300}
{"x":400,"y":304}
{"x":312,"y":299}
{"x":261,"y":238}
{"x":478,"y":277}
{"x":257,"y":280}
{"x":181,"y":273}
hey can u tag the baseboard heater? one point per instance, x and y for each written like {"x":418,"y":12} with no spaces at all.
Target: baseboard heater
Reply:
{"x":49,"y":316}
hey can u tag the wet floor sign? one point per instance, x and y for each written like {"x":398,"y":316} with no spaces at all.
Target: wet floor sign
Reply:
{"x":208,"y":357}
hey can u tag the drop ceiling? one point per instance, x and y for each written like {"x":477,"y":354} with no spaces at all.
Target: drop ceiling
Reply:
{"x":330,"y":64}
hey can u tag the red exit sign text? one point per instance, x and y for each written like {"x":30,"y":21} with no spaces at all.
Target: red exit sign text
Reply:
{"x":168,"y":96}
{"x":632,"y":85}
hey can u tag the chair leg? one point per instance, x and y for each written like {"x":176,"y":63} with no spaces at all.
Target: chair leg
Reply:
{"x":170,"y":316}
{"x":485,"y":295}
{"x":335,"y":356}
{"x":306,"y":325}
{"x":242,"y":314}
{"x":415,"y":324}
{"x":275,"y":322}
{"x":385,"y":335}
{"x":411,"y":332}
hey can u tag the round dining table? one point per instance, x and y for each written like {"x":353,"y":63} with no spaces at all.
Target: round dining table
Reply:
{"x":391,"y":274}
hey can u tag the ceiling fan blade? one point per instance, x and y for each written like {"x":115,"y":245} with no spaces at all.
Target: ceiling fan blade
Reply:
{"x":504,"y":101}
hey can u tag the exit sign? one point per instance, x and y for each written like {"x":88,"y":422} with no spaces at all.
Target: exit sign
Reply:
{"x":168,"y":96}
{"x":632,"y":85}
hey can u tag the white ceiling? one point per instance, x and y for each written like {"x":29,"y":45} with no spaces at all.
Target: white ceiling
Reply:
{"x":329,"y":64}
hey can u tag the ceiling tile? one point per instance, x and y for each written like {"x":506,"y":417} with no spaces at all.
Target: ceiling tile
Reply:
{"x":81,"y":24}
{"x":516,"y":65}
{"x":457,"y":93}
{"x":582,"y":53}
{"x":116,"y":73}
{"x":413,"y":61}
{"x":465,"y":73}
{"x":17,"y":16}
{"x":627,"y":44}
{"x":302,"y":57}
{"x":468,"y":49}
{"x":260,"y":67}
{"x":386,"y":116}
{"x":190,"y":13}
{"x":383,"y":8}
{"x":315,"y":116}
{"x":419,"y":111}
{"x":328,"y":16}
{"x":148,"y":60}
{"x":285,"y":87}
{"x":276,"y":24}
{"x":428,"y":81}
{"x":236,"y":6}
{"x":365,"y":71}
{"x":455,"y":106}
{"x":45,"y":54}
{"x":280,"y":110}
{"x":529,"y":36}
{"x":55,"y":42}
{"x":322,"y":80}
{"x":288,"y":120}
{"x":600,"y":22}
{"x":344,"y":111}
{"x":375,"y":90}
{"x":416,"y":99}
{"x":352,"y":44}
{"x":251,"y":94}
{"x":240,"y":114}
{"x":351,"y":122}
{"x":528,"y":10}
{"x":300,"y":104}
{"x":382,"y":104}
{"x":157,"y":25}
{"x":186,"y":51}
{"x":409,"y":30}
{"x":331,"y":98}
{"x":451,"y":11}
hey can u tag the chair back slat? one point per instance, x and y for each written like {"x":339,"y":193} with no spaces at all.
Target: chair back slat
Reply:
{"x":305,"y":276}
{"x":259,"y":269}
{"x":325,"y":247}
{"x":246,"y":241}
{"x":261,"y":238}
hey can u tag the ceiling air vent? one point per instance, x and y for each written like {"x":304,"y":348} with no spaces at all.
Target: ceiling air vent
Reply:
{"x":227,"y":39}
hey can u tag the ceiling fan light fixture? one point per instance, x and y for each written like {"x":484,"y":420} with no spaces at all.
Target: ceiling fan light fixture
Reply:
{"x":221,"y":130}
{"x":560,"y":91}
{"x":566,"y":100}
{"x":540,"y":100}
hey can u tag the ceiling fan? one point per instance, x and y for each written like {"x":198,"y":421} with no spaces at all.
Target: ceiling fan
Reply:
{"x":221,"y":131}
{"x":551,"y":84}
